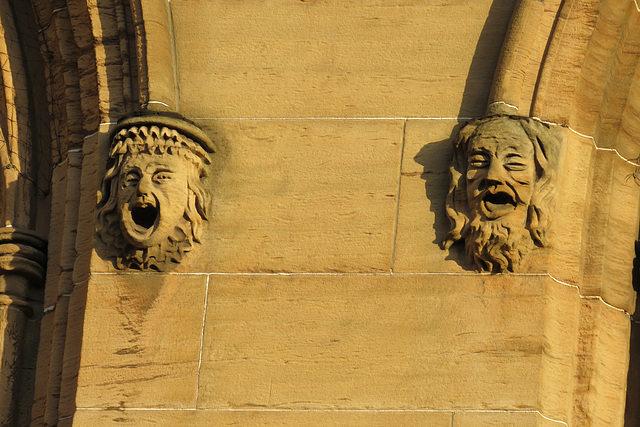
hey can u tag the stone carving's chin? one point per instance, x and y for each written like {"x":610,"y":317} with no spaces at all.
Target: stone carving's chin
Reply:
{"x":497,"y":204}
{"x":141,"y":223}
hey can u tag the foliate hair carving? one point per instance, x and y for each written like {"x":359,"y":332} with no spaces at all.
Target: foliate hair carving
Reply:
{"x":153,"y":203}
{"x":490,"y":205}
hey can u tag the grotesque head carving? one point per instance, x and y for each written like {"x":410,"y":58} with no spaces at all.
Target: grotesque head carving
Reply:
{"x":153,"y":202}
{"x":502,"y":189}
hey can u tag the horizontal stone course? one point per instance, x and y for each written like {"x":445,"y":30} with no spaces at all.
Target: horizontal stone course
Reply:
{"x":336,"y":58}
{"x":315,"y":195}
{"x":206,"y":418}
{"x":348,"y":342}
{"x":372,"y":342}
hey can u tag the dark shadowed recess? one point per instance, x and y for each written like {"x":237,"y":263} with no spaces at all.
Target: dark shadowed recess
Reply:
{"x":632,"y":410}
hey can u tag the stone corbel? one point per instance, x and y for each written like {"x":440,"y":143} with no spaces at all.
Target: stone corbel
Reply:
{"x":153,"y":203}
{"x":502,"y":189}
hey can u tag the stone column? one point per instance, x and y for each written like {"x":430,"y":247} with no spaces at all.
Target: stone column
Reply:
{"x":25,"y":168}
{"x":22,"y":268}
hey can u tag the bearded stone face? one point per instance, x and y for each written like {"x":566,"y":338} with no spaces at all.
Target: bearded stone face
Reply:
{"x":502,"y":188}
{"x":501,"y":174}
{"x":152,"y":196}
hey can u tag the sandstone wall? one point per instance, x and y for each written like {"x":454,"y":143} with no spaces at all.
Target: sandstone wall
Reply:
{"x":320,"y":294}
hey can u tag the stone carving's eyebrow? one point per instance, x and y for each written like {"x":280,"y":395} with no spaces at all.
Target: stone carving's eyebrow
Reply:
{"x":479,"y":150}
{"x":159,"y":164}
{"x":514,"y":154}
{"x":129,"y":168}
{"x":513,"y":147}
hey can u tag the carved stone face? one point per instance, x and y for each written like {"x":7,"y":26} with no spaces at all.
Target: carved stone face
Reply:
{"x":152,"y":197}
{"x":501,"y":173}
{"x":153,"y":202}
{"x":502,"y":189}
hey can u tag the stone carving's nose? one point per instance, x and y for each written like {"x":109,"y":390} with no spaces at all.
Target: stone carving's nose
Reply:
{"x":144,"y":186}
{"x":496,"y":173}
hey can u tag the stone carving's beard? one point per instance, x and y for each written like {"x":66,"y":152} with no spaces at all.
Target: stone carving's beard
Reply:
{"x":155,"y":257}
{"x":497,"y":246}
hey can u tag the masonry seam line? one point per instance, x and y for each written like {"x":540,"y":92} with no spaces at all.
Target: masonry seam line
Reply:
{"x":395,"y":221}
{"x":204,"y":318}
{"x":504,"y":103}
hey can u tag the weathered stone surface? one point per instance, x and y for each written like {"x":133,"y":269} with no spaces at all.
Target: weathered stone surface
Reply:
{"x":502,"y":190}
{"x":323,"y":192}
{"x":12,"y":323}
{"x":64,"y":284}
{"x":45,"y":353}
{"x":337,"y":59}
{"x":422,"y":219}
{"x":51,"y":367}
{"x":159,"y":72}
{"x":59,"y":184}
{"x":94,"y":153}
{"x":608,"y":242}
{"x":602,"y":347}
{"x":255,"y":346}
{"x":206,"y":418}
{"x":597,"y":192}
{"x":361,"y":341}
{"x":501,"y":419}
{"x":432,"y":344}
{"x":141,"y":341}
{"x":574,"y":63}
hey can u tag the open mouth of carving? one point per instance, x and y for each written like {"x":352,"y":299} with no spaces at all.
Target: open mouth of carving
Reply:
{"x":498,"y":204}
{"x":144,"y":216}
{"x":500,"y":198}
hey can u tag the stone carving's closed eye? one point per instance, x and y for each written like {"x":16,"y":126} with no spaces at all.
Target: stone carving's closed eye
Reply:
{"x":479,"y":160}
{"x":514,"y":162}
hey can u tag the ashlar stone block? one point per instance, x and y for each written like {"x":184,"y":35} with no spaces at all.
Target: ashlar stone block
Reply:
{"x":337,"y":58}
{"x":302,"y":196}
{"x":374,"y":341}
{"x":141,"y":341}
